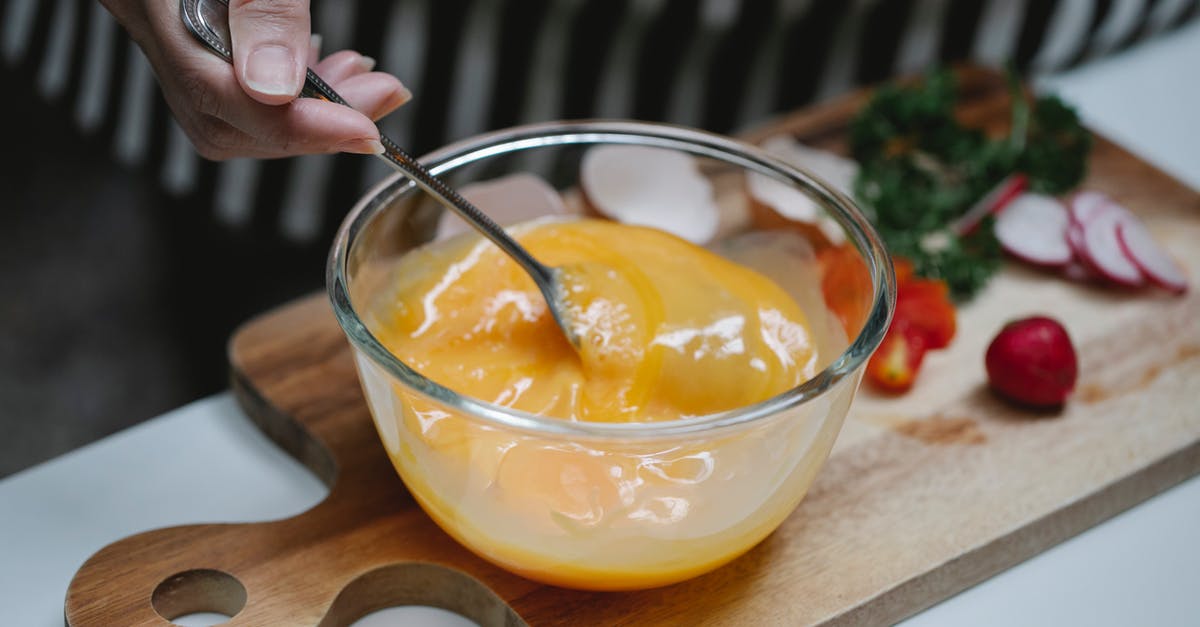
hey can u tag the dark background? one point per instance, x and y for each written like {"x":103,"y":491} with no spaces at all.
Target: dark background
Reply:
{"x":117,"y":298}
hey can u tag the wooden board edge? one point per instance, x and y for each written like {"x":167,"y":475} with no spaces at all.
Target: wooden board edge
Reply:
{"x":1020,"y":545}
{"x":831,"y":117}
{"x":282,"y":429}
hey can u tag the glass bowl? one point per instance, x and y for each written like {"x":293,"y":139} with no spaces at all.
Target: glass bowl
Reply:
{"x":613,"y":506}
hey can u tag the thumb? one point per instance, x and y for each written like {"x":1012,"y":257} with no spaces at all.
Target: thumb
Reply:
{"x":270,"y":46}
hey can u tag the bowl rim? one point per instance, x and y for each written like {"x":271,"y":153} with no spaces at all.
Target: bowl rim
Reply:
{"x":583,"y":132}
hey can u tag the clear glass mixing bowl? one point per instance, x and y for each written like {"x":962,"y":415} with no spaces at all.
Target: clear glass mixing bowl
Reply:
{"x":612,"y":506}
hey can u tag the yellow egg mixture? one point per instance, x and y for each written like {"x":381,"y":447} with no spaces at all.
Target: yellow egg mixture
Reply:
{"x":669,"y":330}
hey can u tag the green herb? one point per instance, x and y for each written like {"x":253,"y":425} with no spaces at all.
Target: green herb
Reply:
{"x":921,"y":170}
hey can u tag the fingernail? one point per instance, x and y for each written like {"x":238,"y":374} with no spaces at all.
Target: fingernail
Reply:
{"x":405,"y":94}
{"x":361,"y":147}
{"x":314,"y":45}
{"x":271,"y":70}
{"x":366,"y":63}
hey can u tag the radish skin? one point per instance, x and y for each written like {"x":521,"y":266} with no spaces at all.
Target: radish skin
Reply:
{"x":1103,"y":248}
{"x":1079,"y":271}
{"x":992,"y":202}
{"x":1075,"y":240}
{"x":1086,"y":205}
{"x":1154,"y":262}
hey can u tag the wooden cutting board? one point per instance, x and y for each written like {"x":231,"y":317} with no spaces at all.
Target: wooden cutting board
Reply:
{"x":922,"y":497}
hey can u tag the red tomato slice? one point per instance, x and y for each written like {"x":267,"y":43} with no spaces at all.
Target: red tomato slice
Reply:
{"x":893,"y":368}
{"x":925,"y":306}
{"x":846,"y":285}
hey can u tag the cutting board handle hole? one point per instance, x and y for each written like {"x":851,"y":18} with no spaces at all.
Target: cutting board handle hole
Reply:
{"x":202,"y":590}
{"x":420,"y":584}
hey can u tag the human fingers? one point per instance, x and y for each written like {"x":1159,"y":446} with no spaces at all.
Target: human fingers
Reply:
{"x":311,"y":126}
{"x":303,"y":126}
{"x":343,"y":64}
{"x":374,"y":94}
{"x":270,"y":47}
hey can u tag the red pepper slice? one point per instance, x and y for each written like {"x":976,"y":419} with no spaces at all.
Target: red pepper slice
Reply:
{"x":924,"y":320}
{"x":893,"y":368}
{"x":846,"y":285}
{"x":925,"y":306}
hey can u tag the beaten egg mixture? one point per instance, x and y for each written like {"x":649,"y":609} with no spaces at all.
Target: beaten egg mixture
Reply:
{"x":668,"y":330}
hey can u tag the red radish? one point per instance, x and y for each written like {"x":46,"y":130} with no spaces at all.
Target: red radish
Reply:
{"x":1086,"y":205}
{"x":1103,"y":249}
{"x":507,"y":200}
{"x":649,"y":186}
{"x":1154,"y":262}
{"x":1034,"y":228}
{"x":992,"y":202}
{"x":1032,"y":362}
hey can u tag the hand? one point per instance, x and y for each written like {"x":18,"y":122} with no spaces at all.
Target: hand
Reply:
{"x":251,"y":109}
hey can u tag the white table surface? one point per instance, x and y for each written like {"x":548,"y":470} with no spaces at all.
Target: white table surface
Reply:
{"x":206,"y":463}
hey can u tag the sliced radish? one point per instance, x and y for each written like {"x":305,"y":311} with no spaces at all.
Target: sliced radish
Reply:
{"x":1080,"y":271}
{"x":1075,"y":240}
{"x":992,"y":202}
{"x":1086,"y":205}
{"x":653,"y":187}
{"x":507,"y":200}
{"x":1139,"y":246}
{"x":1034,"y":228}
{"x":774,"y":204}
{"x":1103,"y":248}
{"x":1081,"y":267}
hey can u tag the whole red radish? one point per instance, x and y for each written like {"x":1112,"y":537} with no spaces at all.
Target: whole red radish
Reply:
{"x":1032,"y":361}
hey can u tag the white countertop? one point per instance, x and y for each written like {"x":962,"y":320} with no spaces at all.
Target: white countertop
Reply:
{"x":207,"y":463}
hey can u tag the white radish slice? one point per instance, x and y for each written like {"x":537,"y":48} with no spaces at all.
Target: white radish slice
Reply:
{"x":773,"y":203}
{"x":507,"y":200}
{"x":1139,"y":246}
{"x":1034,"y":228}
{"x":1086,"y":205}
{"x":992,"y":202}
{"x":1081,"y":267}
{"x":653,"y":187}
{"x":1103,"y":248}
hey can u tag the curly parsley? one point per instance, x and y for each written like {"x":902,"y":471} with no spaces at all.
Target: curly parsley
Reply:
{"x":921,"y":170}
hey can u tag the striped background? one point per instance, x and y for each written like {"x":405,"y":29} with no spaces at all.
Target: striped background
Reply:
{"x":480,"y":65}
{"x":128,"y":261}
